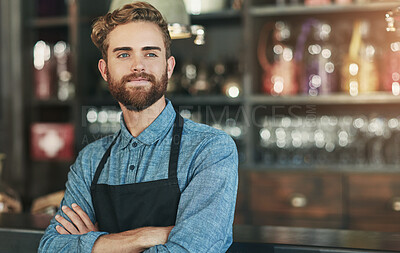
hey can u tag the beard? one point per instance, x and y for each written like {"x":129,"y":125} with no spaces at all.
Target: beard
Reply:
{"x":137,"y":98}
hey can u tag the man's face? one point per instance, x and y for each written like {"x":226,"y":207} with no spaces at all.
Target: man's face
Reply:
{"x":137,"y":69}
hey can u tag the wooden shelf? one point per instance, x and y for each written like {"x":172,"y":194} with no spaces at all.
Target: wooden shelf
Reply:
{"x":348,"y":168}
{"x":204,"y":100}
{"x":100,"y":101}
{"x":292,"y":10}
{"x":372,"y":98}
{"x":338,"y":98}
{"x":214,"y":16}
{"x":49,"y":22}
{"x":51,"y":162}
{"x":53,"y":102}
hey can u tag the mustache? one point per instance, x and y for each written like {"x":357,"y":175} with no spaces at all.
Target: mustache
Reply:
{"x":151,"y":78}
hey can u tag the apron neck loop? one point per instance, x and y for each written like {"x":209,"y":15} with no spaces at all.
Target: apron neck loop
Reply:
{"x":175,"y":145}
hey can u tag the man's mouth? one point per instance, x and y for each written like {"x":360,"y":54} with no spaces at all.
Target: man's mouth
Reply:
{"x":138,"y":81}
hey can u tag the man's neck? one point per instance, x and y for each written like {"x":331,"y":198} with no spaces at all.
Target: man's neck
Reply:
{"x":137,"y":122}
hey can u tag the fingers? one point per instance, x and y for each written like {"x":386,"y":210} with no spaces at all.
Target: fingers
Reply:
{"x":80,"y":222}
{"x":61,"y":230}
{"x":68,"y":226}
{"x":75,"y":219}
{"x":84,"y":217}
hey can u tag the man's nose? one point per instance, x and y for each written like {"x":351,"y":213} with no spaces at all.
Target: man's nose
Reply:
{"x":137,"y":65}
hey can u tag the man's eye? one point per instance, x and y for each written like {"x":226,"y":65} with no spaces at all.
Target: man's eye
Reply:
{"x":123,"y":55}
{"x":151,"y":55}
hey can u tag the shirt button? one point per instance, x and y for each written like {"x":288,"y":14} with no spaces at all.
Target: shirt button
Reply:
{"x":132,"y":167}
{"x":134,"y":144}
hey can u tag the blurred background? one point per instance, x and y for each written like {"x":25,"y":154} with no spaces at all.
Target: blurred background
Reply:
{"x":308,"y":89}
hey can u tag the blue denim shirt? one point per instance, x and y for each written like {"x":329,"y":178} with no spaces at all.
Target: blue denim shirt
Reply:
{"x":207,"y":177}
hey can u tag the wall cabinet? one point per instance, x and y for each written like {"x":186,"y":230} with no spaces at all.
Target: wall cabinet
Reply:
{"x":290,"y":177}
{"x":296,"y":199}
{"x":373,"y":201}
{"x":353,"y":200}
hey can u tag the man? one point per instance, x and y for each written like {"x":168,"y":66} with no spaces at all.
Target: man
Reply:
{"x":161,"y":184}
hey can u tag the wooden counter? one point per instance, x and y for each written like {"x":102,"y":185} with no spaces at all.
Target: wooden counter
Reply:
{"x":311,"y":240}
{"x":22,"y":233}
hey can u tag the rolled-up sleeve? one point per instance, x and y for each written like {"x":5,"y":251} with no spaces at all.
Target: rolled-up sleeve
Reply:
{"x":207,"y":204}
{"x":77,"y":191}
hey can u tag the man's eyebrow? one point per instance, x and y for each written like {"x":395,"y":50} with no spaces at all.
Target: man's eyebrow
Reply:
{"x":151,"y":48}
{"x":122,"y":49}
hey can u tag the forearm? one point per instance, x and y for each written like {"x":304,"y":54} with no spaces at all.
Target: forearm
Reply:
{"x":54,"y":242}
{"x":136,"y":240}
{"x":120,"y":242}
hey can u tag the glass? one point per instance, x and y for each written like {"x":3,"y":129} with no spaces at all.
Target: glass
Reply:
{"x":330,"y":140}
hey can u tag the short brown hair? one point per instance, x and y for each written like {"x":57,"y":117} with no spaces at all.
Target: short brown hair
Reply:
{"x":139,"y":11}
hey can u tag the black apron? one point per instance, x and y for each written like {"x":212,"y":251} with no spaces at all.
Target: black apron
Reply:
{"x":124,"y":207}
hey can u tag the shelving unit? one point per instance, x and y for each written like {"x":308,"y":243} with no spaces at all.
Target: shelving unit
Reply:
{"x":293,"y":10}
{"x":332,"y":99}
{"x":231,"y":37}
{"x":295,"y":195}
{"x":49,"y":22}
{"x":46,"y":176}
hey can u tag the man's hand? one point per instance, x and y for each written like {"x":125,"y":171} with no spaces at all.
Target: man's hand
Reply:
{"x":80,"y":221}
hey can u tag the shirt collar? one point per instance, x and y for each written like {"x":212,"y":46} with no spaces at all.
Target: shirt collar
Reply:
{"x":157,"y":129}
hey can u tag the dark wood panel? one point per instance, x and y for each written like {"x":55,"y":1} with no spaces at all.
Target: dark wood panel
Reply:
{"x":374,"y":194}
{"x":374,"y":201}
{"x":273,"y":219}
{"x":240,"y":217}
{"x":241,"y":209}
{"x":296,"y":194}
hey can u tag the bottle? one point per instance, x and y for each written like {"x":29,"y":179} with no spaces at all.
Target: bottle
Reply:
{"x":202,"y":84}
{"x":279,"y":77}
{"x":391,"y":61}
{"x":360,"y":71}
{"x":314,"y":54}
{"x":43,"y":70}
{"x":231,"y":85}
{"x":66,"y":89}
{"x":188,"y":77}
{"x":218,"y":76}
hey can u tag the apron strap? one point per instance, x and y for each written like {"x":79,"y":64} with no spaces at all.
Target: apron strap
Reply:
{"x":175,"y":145}
{"x":103,"y":161}
{"x":173,"y":158}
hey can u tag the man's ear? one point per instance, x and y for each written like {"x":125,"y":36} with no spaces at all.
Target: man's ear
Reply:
{"x":103,"y":69}
{"x":170,"y":66}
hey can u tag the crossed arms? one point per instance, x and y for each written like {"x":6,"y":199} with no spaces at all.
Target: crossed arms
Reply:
{"x":204,"y":218}
{"x":136,"y":240}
